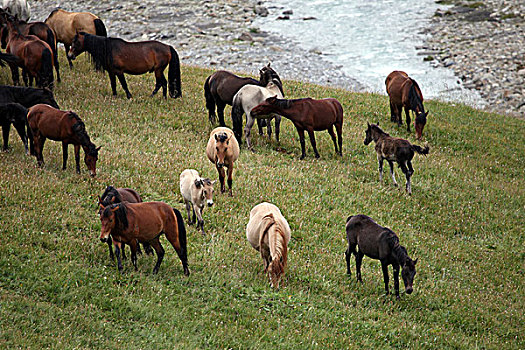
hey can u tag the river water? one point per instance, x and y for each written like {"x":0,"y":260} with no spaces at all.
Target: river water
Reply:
{"x":367,"y":40}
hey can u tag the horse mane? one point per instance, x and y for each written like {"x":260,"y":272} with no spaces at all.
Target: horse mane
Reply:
{"x":79,"y":128}
{"x":109,"y":194}
{"x":413,"y":96}
{"x":378,"y":129}
{"x":99,"y":49}
{"x":121,"y":214}
{"x":283,"y":103}
{"x":399,"y":252}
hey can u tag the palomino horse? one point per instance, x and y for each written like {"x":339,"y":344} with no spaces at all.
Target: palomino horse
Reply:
{"x":221,"y":87}
{"x":114,"y":195}
{"x":223,"y":150}
{"x":38,"y":29}
{"x":46,"y":122}
{"x":118,"y":56}
{"x":393,"y":149}
{"x":381,"y":243}
{"x":197,"y":192}
{"x":248,"y":97}
{"x":16,"y":114}
{"x":130,"y":223}
{"x":26,"y":96}
{"x":269,"y":233}
{"x":404,"y":92}
{"x":35,"y":58}
{"x":67,"y":24}
{"x":307,"y":114}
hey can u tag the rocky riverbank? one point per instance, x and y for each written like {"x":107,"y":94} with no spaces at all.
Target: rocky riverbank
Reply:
{"x":483,"y":42}
{"x":208,"y":33}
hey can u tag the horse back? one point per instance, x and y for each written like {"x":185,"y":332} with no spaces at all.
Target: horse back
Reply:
{"x":394,"y":148}
{"x":52,"y":123}
{"x":149,"y":219}
{"x":225,"y":85}
{"x":326,"y":112}
{"x":129,"y":195}
{"x":67,"y":24}
{"x":139,"y":57}
{"x":370,"y":237}
{"x":395,"y":82}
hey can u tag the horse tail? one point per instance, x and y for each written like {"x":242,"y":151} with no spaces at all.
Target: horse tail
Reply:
{"x":210,"y":101}
{"x":30,"y":136}
{"x":182,"y":237}
{"x":237,"y":112}
{"x":174,"y":75}
{"x":46,"y":69}
{"x":100,"y":28}
{"x":421,"y":150}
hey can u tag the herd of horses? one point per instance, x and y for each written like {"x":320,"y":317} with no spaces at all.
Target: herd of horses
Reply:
{"x":125,"y":218}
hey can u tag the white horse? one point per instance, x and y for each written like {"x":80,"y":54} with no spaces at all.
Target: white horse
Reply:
{"x":269,"y":233}
{"x":248,"y":97}
{"x":18,"y":8}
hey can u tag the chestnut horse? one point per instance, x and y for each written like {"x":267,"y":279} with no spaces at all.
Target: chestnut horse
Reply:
{"x":118,"y":56}
{"x":35,"y":58}
{"x":221,"y":87}
{"x":130,"y":223}
{"x":223,"y":150}
{"x":46,"y":122}
{"x":393,"y":149}
{"x":269,"y":233}
{"x":307,"y":114}
{"x":378,"y":242}
{"x":66,"y":25}
{"x":404,"y":92}
{"x":114,"y":195}
{"x":38,"y":29}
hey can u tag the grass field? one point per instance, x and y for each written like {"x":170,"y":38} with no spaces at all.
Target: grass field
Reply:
{"x":464,"y":221}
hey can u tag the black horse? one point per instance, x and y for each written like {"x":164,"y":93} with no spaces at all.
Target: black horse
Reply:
{"x":16,"y":114}
{"x":378,"y":242}
{"x":27,"y":96}
{"x":221,"y":86}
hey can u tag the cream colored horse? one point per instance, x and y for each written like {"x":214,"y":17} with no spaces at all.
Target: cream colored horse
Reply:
{"x":67,"y":24}
{"x":223,"y":150}
{"x":269,"y":233}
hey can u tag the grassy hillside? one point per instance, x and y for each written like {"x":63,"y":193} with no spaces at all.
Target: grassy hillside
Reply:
{"x":59,"y":289}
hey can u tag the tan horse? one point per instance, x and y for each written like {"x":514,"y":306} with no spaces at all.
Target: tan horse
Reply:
{"x":223,"y":150}
{"x":67,"y":24}
{"x":269,"y":233}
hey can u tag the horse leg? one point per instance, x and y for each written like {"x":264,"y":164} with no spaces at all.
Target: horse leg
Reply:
{"x":188,"y":210}
{"x":39,"y":146}
{"x":117,"y":253}
{"x":358,"y":259}
{"x":407,"y":173}
{"x":67,"y":47}
{"x":260,"y":126}
{"x":64,"y":155}
{"x":113,"y":82}
{"x":380,"y":160}
{"x":122,"y":80}
{"x":339,"y":129}
{"x":160,"y":253}
{"x":5,"y":133}
{"x":160,"y":82}
{"x":200,"y":222}
{"x":24,"y":78}
{"x":77,"y":158}
{"x":20,"y":129}
{"x":312,"y":141}
{"x":248,"y":129}
{"x":55,"y":61}
{"x":391,"y":163}
{"x":277,"y":127}
{"x":348,"y":255}
{"x":332,"y":135}
{"x":407,"y":113}
{"x":220,"y":112}
{"x":230,"y":179}
{"x":300,"y":131}
{"x":110,"y":247}
{"x":384,"y":267}
{"x":133,"y":246}
{"x":14,"y":74}
{"x":395,"y":267}
{"x":147,"y":248}
{"x":269,"y":128}
{"x":222,"y":176}
{"x":392,"y":112}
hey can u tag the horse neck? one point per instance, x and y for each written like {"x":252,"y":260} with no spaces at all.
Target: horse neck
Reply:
{"x":414,"y":93}
{"x":100,"y":49}
{"x":379,"y":135}
{"x":283,"y":107}
{"x":399,"y":254}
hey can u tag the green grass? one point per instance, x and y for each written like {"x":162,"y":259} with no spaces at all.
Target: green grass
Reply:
{"x":464,"y":222}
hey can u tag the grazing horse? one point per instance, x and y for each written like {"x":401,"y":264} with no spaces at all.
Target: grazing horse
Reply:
{"x":17,"y":8}
{"x":144,"y":222}
{"x":221,"y":87}
{"x":46,"y":122}
{"x":27,"y":96}
{"x":404,"y":92}
{"x":38,"y":29}
{"x":67,"y":24}
{"x":381,"y":243}
{"x":307,"y":114}
{"x":197,"y":192}
{"x":118,"y":56}
{"x":16,"y":114}
{"x":393,"y":149}
{"x":269,"y":233}
{"x":35,"y":57}
{"x":248,"y":97}
{"x":114,"y":195}
{"x":223,"y":150}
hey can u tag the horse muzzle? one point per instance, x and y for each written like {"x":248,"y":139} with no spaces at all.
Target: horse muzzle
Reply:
{"x":210,"y":203}
{"x":92,"y":173}
{"x":71,"y":56}
{"x":104,"y":239}
{"x":220,"y":165}
{"x":409,"y":290}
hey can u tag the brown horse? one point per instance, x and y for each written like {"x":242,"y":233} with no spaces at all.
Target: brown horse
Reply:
{"x":221,"y":87}
{"x":38,"y":29}
{"x":307,"y":114}
{"x":46,"y":122}
{"x":130,"y":223}
{"x":378,"y":242}
{"x":114,"y":195}
{"x":35,"y":58}
{"x":223,"y":150}
{"x":118,"y":56}
{"x":66,"y":25}
{"x":404,"y":92}
{"x":393,"y":149}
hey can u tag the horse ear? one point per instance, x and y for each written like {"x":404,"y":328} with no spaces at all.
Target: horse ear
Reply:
{"x":268,"y":65}
{"x":216,"y":137}
{"x":213,"y":182}
{"x":116,"y":208}
{"x":368,"y":124}
{"x":100,"y":204}
{"x":415,"y":261}
{"x":377,"y":123}
{"x":98,"y":148}
{"x":99,"y":200}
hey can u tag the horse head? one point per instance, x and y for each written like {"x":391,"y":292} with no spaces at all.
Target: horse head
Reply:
{"x":267,"y":75}
{"x":206,"y":188}
{"x":222,"y":141}
{"x":408,"y":273}
{"x":264,"y":108}
{"x":90,"y":158}
{"x":108,"y":220}
{"x":419,"y":123}
{"x":77,"y":46}
{"x":368,"y":134}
